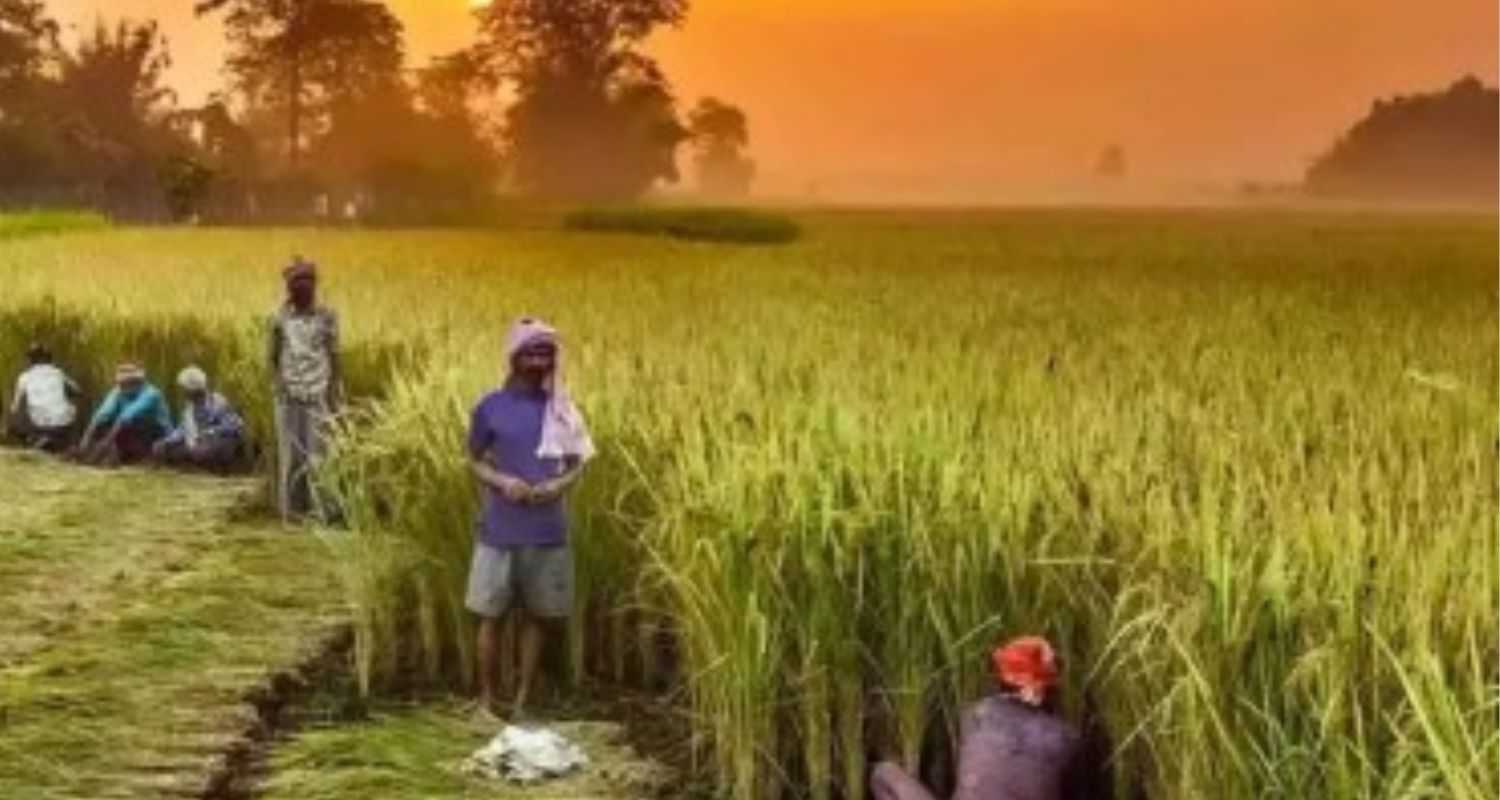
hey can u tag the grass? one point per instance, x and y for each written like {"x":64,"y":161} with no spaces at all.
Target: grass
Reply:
{"x":137,"y":612}
{"x":36,"y":223}
{"x":740,"y":226}
{"x":417,"y":750}
{"x":1239,"y":466}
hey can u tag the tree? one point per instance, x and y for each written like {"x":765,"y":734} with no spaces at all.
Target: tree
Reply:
{"x":212,"y":178}
{"x":720,"y":133}
{"x":305,"y":58}
{"x":28,"y":37}
{"x":1437,"y":146}
{"x":417,"y":151}
{"x":111,"y":105}
{"x":87,"y":126}
{"x":1111,"y":163}
{"x":28,"y":42}
{"x":453,"y":86}
{"x":594,"y":117}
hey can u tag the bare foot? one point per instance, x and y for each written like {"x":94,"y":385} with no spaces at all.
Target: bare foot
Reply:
{"x":518,"y":709}
{"x":482,"y":712}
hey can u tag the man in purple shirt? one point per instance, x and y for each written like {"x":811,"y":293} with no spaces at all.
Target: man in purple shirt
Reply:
{"x":527,"y":446}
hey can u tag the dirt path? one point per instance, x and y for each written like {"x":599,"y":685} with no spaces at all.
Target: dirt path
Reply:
{"x":141,"y":615}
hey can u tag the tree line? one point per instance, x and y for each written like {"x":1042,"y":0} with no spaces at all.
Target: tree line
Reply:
{"x":322,"y":116}
{"x":1438,"y":146}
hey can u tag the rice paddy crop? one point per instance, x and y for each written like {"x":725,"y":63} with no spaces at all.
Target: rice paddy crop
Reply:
{"x":33,"y":223}
{"x":742,"y":226}
{"x":1240,"y":467}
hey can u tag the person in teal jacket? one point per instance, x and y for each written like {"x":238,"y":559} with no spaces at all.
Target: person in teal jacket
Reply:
{"x":134,"y":416}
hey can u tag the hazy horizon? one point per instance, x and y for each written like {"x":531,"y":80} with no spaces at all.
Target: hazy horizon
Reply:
{"x":990,"y":101}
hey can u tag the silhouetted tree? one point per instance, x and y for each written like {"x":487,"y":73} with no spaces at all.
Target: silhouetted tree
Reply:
{"x":305,"y":58}
{"x":1111,"y":163}
{"x":455,"y":86}
{"x":594,"y":117}
{"x":28,"y":37}
{"x":88,"y":126}
{"x":416,"y":151}
{"x":214,"y":179}
{"x":28,"y":43}
{"x":1439,"y":146}
{"x":111,"y":111}
{"x":224,"y":145}
{"x":720,"y":134}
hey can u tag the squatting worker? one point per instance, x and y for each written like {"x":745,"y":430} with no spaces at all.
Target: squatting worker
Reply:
{"x":212,"y":433}
{"x":44,"y":409}
{"x":134,"y":417}
{"x":528,"y":443}
{"x":304,"y":358}
{"x":1011,"y":745}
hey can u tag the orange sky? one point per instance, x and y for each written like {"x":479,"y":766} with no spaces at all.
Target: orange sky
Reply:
{"x":975,"y":99}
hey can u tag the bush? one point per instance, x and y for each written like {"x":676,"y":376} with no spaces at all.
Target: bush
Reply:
{"x":698,"y":224}
{"x":31,"y":223}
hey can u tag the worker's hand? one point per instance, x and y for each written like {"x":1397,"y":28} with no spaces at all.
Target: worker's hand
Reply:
{"x":548,"y":491}
{"x":515,"y":489}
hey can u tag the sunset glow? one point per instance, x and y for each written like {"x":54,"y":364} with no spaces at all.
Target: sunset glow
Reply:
{"x":971,"y":97}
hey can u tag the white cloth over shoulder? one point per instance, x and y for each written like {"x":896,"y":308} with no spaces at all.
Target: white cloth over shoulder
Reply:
{"x":564,"y":432}
{"x":526,"y":755}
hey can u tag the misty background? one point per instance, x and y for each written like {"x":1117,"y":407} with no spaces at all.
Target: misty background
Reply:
{"x":996,"y":100}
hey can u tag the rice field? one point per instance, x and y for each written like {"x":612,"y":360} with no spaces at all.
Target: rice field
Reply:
{"x":1240,"y":467}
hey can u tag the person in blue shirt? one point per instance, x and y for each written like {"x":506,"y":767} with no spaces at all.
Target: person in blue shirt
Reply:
{"x":134,"y":417}
{"x":212,"y":434}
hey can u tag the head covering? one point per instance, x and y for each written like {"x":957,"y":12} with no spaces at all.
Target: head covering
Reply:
{"x":299,"y":268}
{"x":192,"y":379}
{"x":564,"y":432}
{"x":1028,"y":665}
{"x":129,"y":371}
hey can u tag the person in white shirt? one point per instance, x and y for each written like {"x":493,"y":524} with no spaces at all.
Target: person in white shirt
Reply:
{"x":44,"y":409}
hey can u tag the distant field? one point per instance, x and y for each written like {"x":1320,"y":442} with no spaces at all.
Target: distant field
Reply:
{"x":1240,"y":466}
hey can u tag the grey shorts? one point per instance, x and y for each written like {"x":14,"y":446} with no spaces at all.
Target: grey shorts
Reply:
{"x":542,"y":575}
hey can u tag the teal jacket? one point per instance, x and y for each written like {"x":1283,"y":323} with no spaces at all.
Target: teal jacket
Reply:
{"x":146,"y":405}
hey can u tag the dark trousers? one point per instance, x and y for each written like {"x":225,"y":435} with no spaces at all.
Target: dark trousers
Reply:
{"x":22,"y":431}
{"x":134,"y":442}
{"x":217,"y":454}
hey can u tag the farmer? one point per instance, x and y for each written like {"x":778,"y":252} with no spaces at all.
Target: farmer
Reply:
{"x":304,"y":358}
{"x":134,"y":416}
{"x":43,"y":411}
{"x":212,"y":434}
{"x":1010,"y":746}
{"x":527,"y":443}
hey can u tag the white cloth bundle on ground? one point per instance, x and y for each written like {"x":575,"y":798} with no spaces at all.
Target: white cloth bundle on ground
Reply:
{"x":526,"y":755}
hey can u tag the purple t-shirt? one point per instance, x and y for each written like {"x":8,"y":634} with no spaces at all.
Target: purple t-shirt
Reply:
{"x":505,"y":431}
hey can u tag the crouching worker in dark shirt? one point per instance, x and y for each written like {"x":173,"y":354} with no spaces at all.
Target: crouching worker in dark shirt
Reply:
{"x":1010,"y":746}
{"x":212,"y":434}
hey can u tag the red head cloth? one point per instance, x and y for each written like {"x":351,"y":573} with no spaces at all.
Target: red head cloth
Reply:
{"x":299,"y":268}
{"x":1028,"y":665}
